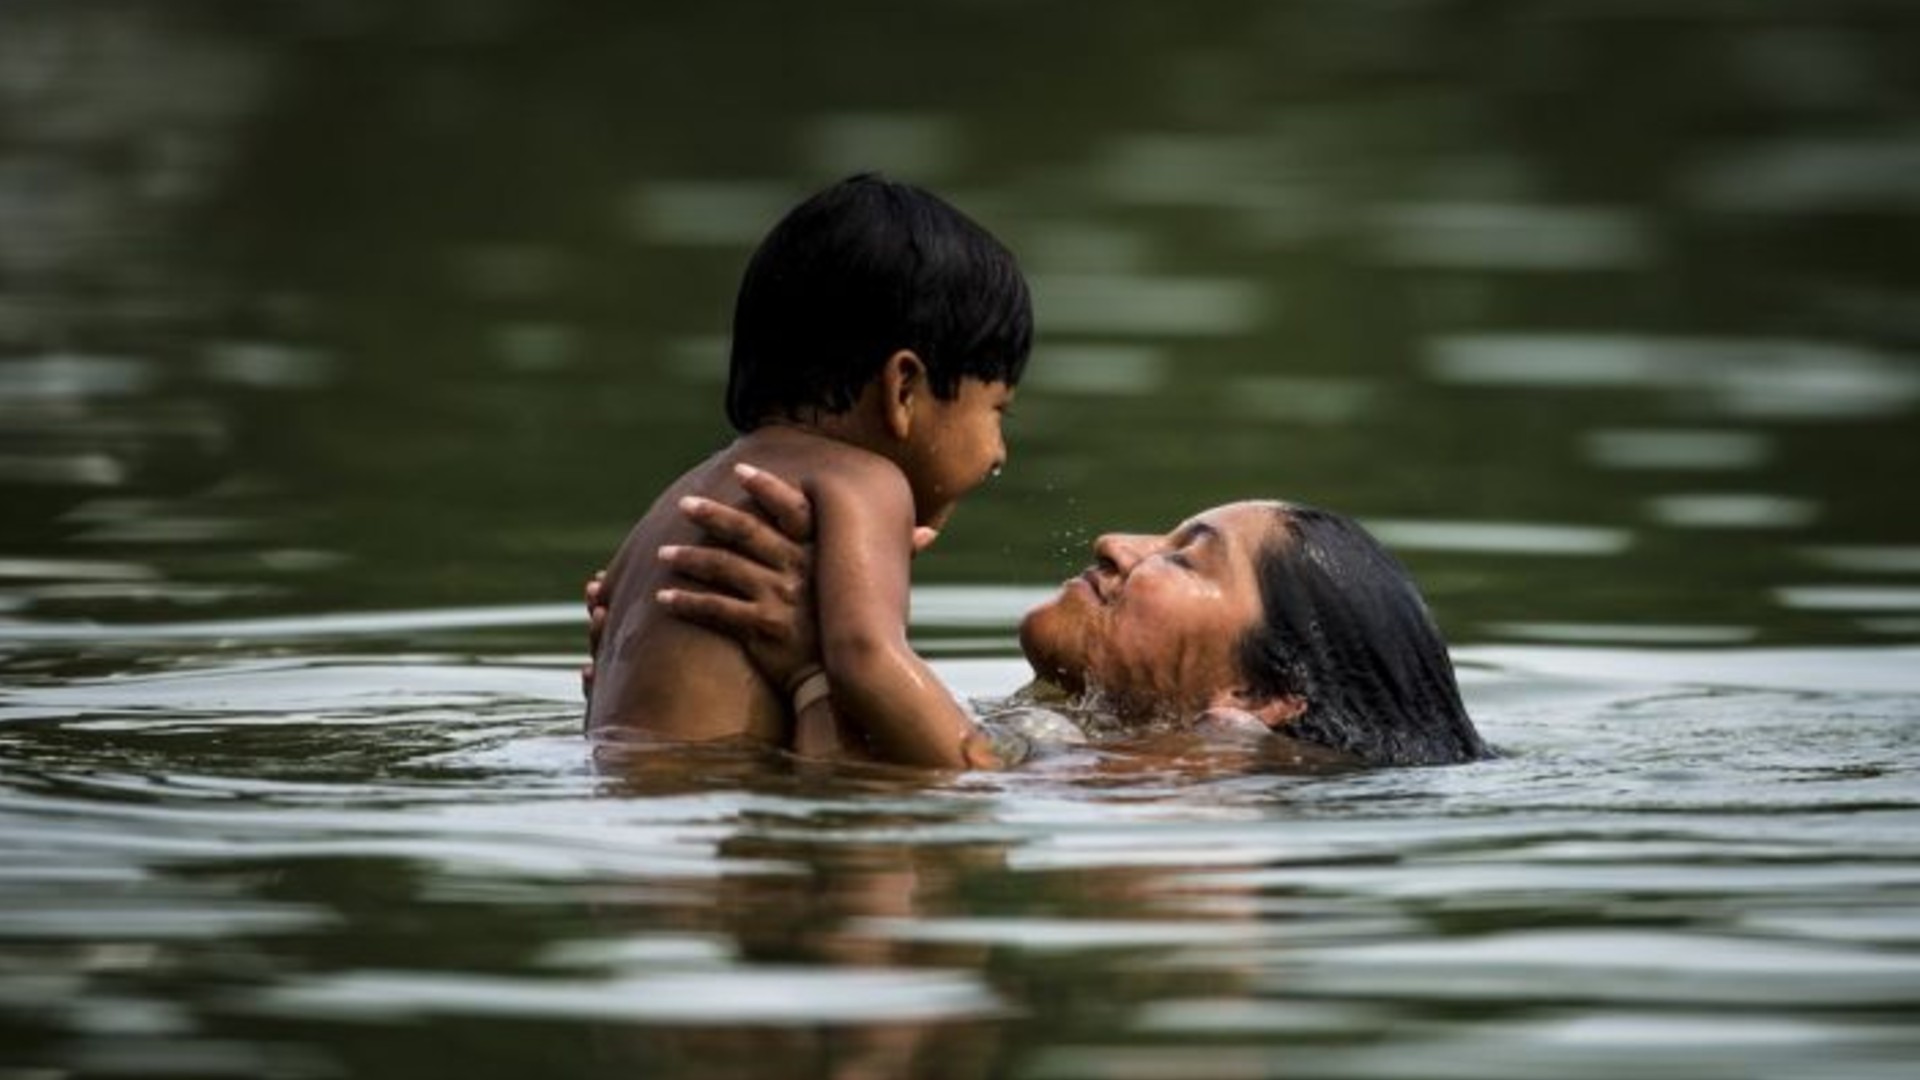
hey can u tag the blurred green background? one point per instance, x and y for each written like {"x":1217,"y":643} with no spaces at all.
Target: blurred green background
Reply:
{"x":1604,"y":314}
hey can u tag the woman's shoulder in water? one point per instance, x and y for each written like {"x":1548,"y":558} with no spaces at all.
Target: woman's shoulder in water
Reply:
{"x":1029,"y":723}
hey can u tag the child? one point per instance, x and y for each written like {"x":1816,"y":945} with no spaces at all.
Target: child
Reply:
{"x":877,"y":339}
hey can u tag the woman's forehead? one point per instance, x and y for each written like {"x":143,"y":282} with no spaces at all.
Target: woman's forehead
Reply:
{"x":1247,"y":523}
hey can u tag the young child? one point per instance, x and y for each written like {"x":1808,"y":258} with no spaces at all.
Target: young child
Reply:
{"x":877,"y":339}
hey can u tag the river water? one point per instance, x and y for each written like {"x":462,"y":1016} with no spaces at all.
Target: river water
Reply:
{"x":339,"y":340}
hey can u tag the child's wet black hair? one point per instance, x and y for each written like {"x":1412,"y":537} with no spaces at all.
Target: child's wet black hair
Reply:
{"x":858,"y":272}
{"x":1345,"y":628}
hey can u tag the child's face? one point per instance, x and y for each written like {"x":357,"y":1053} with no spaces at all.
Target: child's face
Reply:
{"x":955,"y":445}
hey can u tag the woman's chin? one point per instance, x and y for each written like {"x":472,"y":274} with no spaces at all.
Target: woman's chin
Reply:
{"x":1052,"y":637}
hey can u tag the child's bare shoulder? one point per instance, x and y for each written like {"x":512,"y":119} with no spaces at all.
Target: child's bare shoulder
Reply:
{"x":827,"y":468}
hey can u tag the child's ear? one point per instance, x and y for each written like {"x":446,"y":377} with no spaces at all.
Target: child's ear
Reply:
{"x":903,"y":380}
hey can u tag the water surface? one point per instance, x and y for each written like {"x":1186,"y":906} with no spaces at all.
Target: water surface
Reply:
{"x":1693,"y":862}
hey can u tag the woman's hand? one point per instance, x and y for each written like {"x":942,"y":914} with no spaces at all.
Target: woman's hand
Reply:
{"x":596,"y":625}
{"x":755,"y":575}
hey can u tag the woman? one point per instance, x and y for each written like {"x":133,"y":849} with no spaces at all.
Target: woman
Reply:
{"x":1251,"y":617}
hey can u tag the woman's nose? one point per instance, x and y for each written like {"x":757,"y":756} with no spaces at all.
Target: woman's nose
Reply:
{"x":1121,"y":551}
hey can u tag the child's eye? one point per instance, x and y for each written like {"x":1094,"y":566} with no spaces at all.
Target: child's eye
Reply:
{"x":1180,"y":559}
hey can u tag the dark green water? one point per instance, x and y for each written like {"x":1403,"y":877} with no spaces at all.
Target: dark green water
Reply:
{"x":339,"y":340}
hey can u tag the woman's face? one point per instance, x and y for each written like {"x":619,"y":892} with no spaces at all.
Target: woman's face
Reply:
{"x":1156,"y":622}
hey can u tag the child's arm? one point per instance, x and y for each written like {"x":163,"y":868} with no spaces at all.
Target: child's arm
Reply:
{"x":864,"y":526}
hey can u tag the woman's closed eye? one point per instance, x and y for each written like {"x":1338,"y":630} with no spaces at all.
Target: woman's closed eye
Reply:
{"x":1185,"y":547}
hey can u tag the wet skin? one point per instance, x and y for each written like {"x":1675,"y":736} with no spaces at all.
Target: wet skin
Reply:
{"x":1154,"y":625}
{"x":895,"y":461}
{"x":1107,"y":627}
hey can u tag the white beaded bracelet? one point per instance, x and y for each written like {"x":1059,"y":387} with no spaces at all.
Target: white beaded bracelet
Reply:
{"x":810,"y":691}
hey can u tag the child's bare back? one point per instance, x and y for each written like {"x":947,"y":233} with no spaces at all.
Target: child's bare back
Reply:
{"x":669,"y":677}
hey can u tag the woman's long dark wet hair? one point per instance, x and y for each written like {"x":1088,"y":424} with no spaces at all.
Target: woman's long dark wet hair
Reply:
{"x":1346,"y":630}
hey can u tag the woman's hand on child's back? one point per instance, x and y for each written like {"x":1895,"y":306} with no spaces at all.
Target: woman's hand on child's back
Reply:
{"x":755,"y":573}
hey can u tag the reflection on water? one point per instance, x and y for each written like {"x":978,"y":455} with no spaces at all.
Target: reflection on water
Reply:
{"x":1733,"y":510}
{"x":1128,"y":370}
{"x":1501,"y":236}
{"x":335,"y":864}
{"x":1852,"y":597}
{"x":1500,"y":537}
{"x":1770,"y":379}
{"x":1870,"y":560}
{"x":1827,"y":174}
{"x":1605,"y":317}
{"x":696,"y":999}
{"x":1629,"y":633}
{"x":1678,"y":450}
{"x":729,"y":215}
{"x":1151,"y":307}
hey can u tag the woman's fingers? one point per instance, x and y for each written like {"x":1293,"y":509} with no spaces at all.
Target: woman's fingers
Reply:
{"x":923,"y":538}
{"x":595,"y":593}
{"x":744,"y":533}
{"x":596,"y":619}
{"x":785,"y":504}
{"x":726,"y":570}
{"x":747,"y":578}
{"x":733,"y":617}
